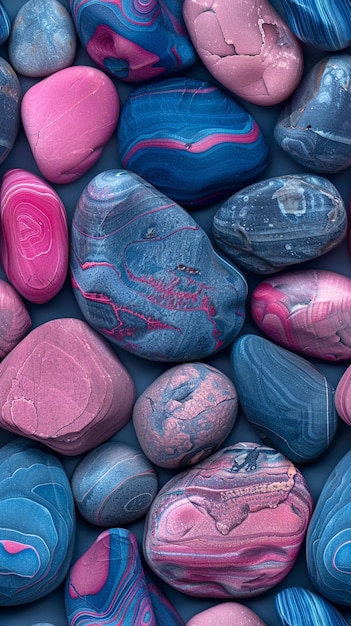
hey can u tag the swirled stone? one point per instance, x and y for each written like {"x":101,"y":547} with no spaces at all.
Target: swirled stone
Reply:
{"x":232,"y":526}
{"x":68,"y":117}
{"x":322,"y":25}
{"x":5,"y":24}
{"x":247,"y":47}
{"x":191,"y":140}
{"x":287,"y":400}
{"x":226,"y":613}
{"x":134,"y":41}
{"x":43,"y":38}
{"x":343,"y":396}
{"x":165,"y":612}
{"x":114,"y":590}
{"x":10,"y":108}
{"x":64,"y":386}
{"x":307,"y":311}
{"x":146,"y":276}
{"x":37,"y":522}
{"x":314,"y":127}
{"x":281,"y":221}
{"x":185,"y":414}
{"x":297,"y":606}
{"x":15,"y":320}
{"x":34,"y":235}
{"x":328,"y":540}
{"x":114,"y":484}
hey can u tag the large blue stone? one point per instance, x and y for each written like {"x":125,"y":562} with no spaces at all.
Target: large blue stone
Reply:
{"x":297,"y":606}
{"x":10,"y":105}
{"x":324,"y":25}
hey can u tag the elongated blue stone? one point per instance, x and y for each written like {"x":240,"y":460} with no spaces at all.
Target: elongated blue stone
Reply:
{"x":324,"y":25}
{"x":297,"y":606}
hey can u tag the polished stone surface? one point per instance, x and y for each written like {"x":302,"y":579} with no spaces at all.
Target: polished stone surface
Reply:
{"x":10,"y":107}
{"x":15,"y":320}
{"x":343,"y":396}
{"x":226,"y":614}
{"x":324,"y":25}
{"x":5,"y":24}
{"x":297,"y":606}
{"x":166,"y":613}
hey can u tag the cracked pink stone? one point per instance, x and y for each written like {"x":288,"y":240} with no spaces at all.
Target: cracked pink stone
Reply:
{"x":63,"y":385}
{"x":226,"y":614}
{"x":15,"y":320}
{"x":247,"y":47}
{"x":34,"y":245}
{"x":68,"y":118}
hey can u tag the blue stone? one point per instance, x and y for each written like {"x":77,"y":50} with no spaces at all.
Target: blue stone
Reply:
{"x":146,"y":276}
{"x":10,"y":106}
{"x":279,"y":222}
{"x":324,"y":25}
{"x":165,"y":612}
{"x":314,"y":127}
{"x":286,"y":399}
{"x":296,"y":606}
{"x":5,"y":24}
{"x":191,"y":140}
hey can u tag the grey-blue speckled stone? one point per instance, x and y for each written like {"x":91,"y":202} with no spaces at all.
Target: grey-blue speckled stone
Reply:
{"x":297,"y":606}
{"x":286,"y":399}
{"x":280,"y":221}
{"x":10,"y":103}
{"x":314,"y":127}
{"x":43,"y":38}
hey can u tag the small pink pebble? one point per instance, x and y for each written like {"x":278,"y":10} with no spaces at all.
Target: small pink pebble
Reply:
{"x":68,"y":117}
{"x":226,"y":614}
{"x":15,"y":320}
{"x":34,"y":246}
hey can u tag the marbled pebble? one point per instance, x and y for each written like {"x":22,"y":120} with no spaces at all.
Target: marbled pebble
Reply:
{"x":165,"y":612}
{"x":10,"y":108}
{"x":226,"y":614}
{"x":185,"y":414}
{"x":114,"y":484}
{"x":43,"y":38}
{"x":252,"y":506}
{"x":281,"y":221}
{"x":307,"y":311}
{"x":68,"y":118}
{"x":146,"y":275}
{"x":15,"y":320}
{"x":191,"y":140}
{"x":5,"y":24}
{"x":297,"y":606}
{"x":324,"y":25}
{"x":343,"y":396}
{"x":64,"y":386}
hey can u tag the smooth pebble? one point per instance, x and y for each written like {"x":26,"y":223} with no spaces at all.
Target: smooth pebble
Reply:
{"x":10,"y":108}
{"x":226,"y":614}
{"x":5,"y":24}
{"x":320,"y":24}
{"x":343,"y":396}
{"x":296,"y":606}
{"x":15,"y":320}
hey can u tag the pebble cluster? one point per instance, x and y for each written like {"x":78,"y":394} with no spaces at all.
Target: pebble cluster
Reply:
{"x":175,"y":327}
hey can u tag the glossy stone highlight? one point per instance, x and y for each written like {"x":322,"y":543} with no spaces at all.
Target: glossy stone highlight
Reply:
{"x":37,"y":521}
{"x":314,"y":127}
{"x":68,"y":118}
{"x":15,"y":320}
{"x":10,"y":107}
{"x":286,"y":399}
{"x":134,"y":41}
{"x":296,"y":606}
{"x":114,"y":590}
{"x":322,"y":25}
{"x":281,"y":221}
{"x":247,"y":47}
{"x":226,"y":614}
{"x":250,"y":503}
{"x":191,"y":140}
{"x":185,"y":414}
{"x":43,"y":38}
{"x":146,"y":276}
{"x":34,"y":236}
{"x":64,"y":386}
{"x":307,"y":311}
{"x":328,"y":538}
{"x":114,"y":485}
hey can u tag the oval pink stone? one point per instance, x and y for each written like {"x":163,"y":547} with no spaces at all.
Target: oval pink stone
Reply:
{"x":247,"y":47}
{"x":34,"y":246}
{"x":15,"y":320}
{"x":226,"y":614}
{"x":68,"y":117}
{"x":63,"y":385}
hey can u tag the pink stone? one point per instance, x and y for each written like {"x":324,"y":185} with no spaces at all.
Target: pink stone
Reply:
{"x":68,"y":117}
{"x":343,"y":396}
{"x":226,"y":614}
{"x":64,"y":386}
{"x":247,"y":47}
{"x":34,"y":246}
{"x":15,"y":320}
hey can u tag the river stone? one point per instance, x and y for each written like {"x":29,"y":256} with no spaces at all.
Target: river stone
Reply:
{"x":191,"y":140}
{"x":64,"y":386}
{"x":5,"y":24}
{"x":68,"y":118}
{"x":253,"y":507}
{"x":10,"y":108}
{"x":343,"y":396}
{"x":37,"y":521}
{"x":185,"y":414}
{"x":307,"y":311}
{"x":43,"y":38}
{"x":15,"y":320}
{"x":226,"y":614}
{"x":146,"y":276}
{"x":320,"y":24}
{"x":34,"y":244}
{"x":280,"y":221}
{"x":328,"y":539}
{"x":286,"y":399}
{"x":297,"y":606}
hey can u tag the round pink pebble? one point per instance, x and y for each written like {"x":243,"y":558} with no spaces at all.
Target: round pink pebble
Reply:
{"x":68,"y":117}
{"x":247,"y":47}
{"x":15,"y":320}
{"x":343,"y":396}
{"x":34,"y":245}
{"x":226,"y":614}
{"x":64,"y":386}
{"x":185,"y":414}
